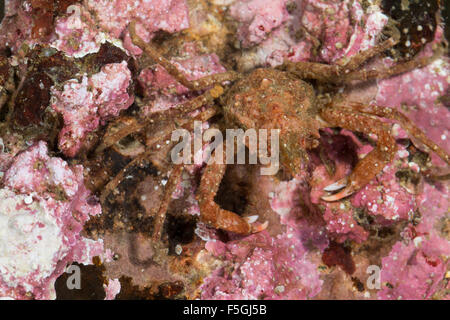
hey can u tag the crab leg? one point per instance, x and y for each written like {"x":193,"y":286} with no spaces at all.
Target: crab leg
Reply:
{"x":357,"y":60}
{"x":168,"y":191}
{"x":408,"y":125}
{"x":112,"y":184}
{"x":336,"y":73}
{"x":157,"y":57}
{"x":174,"y":178}
{"x":373,"y":163}
{"x":383,"y":73}
{"x":171,"y":183}
{"x":180,"y":110}
{"x":204,"y":116}
{"x":195,"y":85}
{"x":128,"y":126}
{"x":344,"y":71}
{"x":3,"y":98}
{"x":210,"y":211}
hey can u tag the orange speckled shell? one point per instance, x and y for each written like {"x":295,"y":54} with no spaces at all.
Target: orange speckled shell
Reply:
{"x":273,"y":99}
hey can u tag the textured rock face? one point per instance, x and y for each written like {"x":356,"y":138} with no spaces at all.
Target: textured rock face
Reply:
{"x":312,"y":249}
{"x":113,"y":17}
{"x":167,"y":92}
{"x":76,"y":33}
{"x":409,"y":270}
{"x":263,"y":267}
{"x":79,"y":28}
{"x":43,"y":206}
{"x":85,"y":105}
{"x":258,"y":18}
{"x":294,"y":30}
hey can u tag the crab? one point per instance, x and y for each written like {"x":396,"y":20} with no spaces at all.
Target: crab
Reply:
{"x":277,"y":98}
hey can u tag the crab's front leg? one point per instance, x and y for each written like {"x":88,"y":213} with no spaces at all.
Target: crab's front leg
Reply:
{"x":338,"y":72}
{"x":179,"y":113}
{"x":405,"y":122}
{"x":210,"y":211}
{"x":195,"y":85}
{"x":160,"y":218}
{"x":373,"y":163}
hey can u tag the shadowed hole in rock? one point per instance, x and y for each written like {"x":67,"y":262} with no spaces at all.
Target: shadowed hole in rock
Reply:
{"x":234,"y":189}
{"x":116,"y":160}
{"x":385,"y":232}
{"x":363,"y":218}
{"x":32,"y":99}
{"x":180,"y":230}
{"x":408,"y":176}
{"x":91,"y":283}
{"x":169,"y":290}
{"x":357,"y":284}
{"x":129,"y":291}
{"x":338,"y":255}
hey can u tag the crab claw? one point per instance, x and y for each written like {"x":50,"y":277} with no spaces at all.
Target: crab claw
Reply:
{"x":256,"y":227}
{"x":251,"y":219}
{"x":338,"y":185}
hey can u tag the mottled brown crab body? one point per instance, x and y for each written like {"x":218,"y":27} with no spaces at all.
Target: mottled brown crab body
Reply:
{"x":270,"y":98}
{"x":274,"y":99}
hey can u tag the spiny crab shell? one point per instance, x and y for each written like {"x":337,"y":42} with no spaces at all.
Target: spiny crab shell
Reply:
{"x":274,"y":99}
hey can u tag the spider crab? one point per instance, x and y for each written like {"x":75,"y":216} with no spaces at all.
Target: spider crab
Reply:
{"x":278,"y":99}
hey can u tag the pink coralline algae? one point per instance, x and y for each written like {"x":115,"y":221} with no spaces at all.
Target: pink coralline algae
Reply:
{"x":434,"y":203}
{"x":258,"y":18}
{"x":342,"y":225}
{"x":338,"y":25}
{"x":416,"y":266}
{"x":85,"y":26}
{"x":7,"y":153}
{"x":112,"y":289}
{"x":385,"y":197}
{"x":114,"y":16}
{"x":262,"y":267}
{"x":44,"y":205}
{"x":15,"y":27}
{"x":415,"y":270}
{"x":168,"y":92}
{"x":85,"y":104}
{"x":417,"y":95}
{"x":294,"y":30}
{"x":75,"y":33}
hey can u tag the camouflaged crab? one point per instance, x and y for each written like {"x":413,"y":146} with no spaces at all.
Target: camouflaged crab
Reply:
{"x":278,"y":99}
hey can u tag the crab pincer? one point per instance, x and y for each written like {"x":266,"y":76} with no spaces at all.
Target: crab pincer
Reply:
{"x":213,"y":214}
{"x":359,"y":117}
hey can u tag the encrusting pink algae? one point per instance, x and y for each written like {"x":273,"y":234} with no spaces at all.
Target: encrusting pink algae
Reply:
{"x":314,"y":245}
